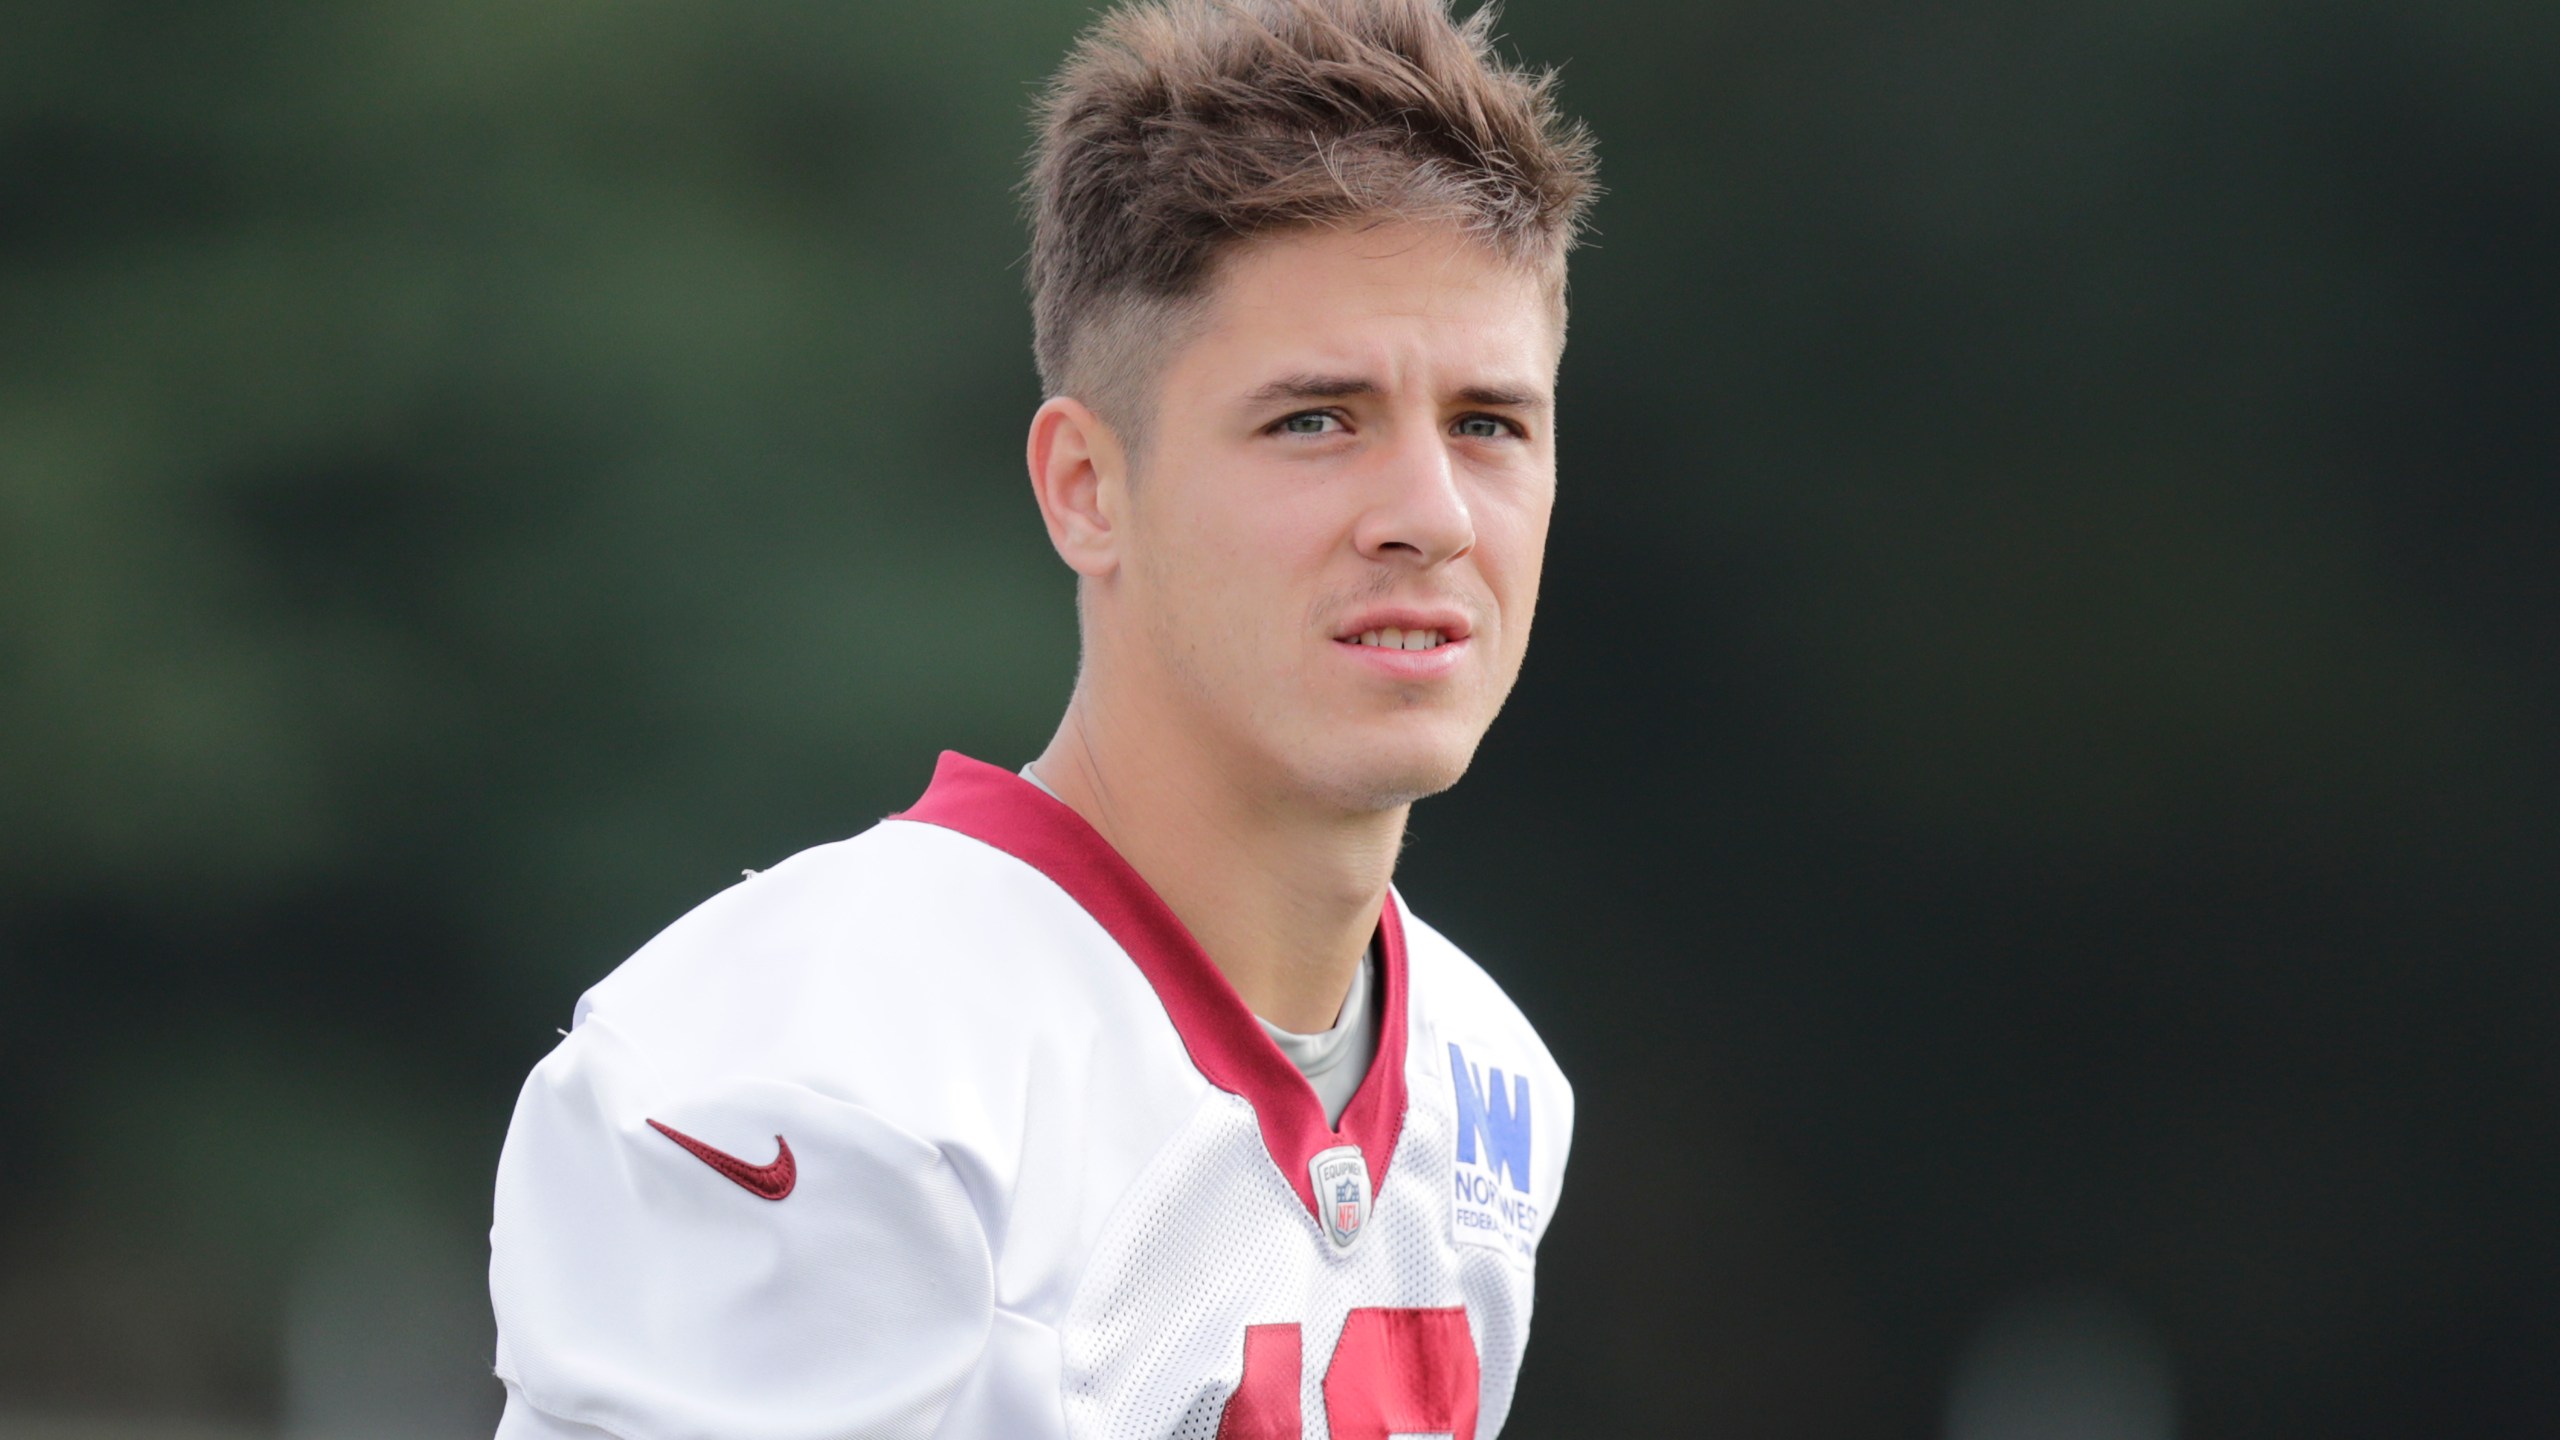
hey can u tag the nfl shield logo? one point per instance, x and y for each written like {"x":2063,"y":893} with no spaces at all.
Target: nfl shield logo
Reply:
{"x":1341,"y":1179}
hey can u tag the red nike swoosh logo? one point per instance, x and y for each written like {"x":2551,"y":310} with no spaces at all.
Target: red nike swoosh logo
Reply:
{"x":769,"y":1182}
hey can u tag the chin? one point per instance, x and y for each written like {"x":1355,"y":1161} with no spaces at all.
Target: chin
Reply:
{"x":1394,"y":772}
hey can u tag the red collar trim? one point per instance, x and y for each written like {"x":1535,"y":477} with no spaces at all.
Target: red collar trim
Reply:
{"x":1226,"y":1043}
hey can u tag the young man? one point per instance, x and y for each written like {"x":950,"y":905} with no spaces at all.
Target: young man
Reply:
{"x":1121,"y":1096}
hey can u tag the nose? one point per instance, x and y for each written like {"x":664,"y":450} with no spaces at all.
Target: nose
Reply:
{"x":1417,"y":514}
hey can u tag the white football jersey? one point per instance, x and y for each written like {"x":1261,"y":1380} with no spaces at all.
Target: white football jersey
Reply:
{"x":951,"y":1129}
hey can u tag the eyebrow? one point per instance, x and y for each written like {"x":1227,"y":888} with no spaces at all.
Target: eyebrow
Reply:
{"x":1502,"y":399}
{"x":1344,"y":387}
{"x":1312,"y":387}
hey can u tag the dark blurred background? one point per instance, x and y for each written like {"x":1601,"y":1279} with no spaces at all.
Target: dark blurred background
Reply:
{"x":2030,"y":818}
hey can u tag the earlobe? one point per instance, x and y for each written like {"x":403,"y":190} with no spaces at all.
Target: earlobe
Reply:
{"x":1078,"y":475}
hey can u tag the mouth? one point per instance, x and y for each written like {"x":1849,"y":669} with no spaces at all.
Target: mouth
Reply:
{"x":1407,"y":644}
{"x":1391,"y":638}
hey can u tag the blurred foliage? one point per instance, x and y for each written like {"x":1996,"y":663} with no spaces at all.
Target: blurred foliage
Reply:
{"x":2038,"y":765}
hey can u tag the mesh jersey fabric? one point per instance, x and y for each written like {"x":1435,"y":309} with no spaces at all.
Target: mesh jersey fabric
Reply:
{"x":1044,"y":1182}
{"x":1152,"y":1346}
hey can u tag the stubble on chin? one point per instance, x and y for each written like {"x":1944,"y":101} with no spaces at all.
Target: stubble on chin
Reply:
{"x":1340,"y":772}
{"x":1371,"y":792}
{"x":1348,"y":765}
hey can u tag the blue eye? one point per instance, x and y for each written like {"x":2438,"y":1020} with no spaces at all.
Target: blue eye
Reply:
{"x":1482,"y":427}
{"x":1312,"y":422}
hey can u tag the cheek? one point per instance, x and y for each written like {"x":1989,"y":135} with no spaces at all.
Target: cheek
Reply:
{"x":1253,"y":549}
{"x":1218,"y":573}
{"x":1511,"y":550}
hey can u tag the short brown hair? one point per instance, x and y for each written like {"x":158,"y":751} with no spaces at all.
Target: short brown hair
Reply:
{"x":1178,"y":129}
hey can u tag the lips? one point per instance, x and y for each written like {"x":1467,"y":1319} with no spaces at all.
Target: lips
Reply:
{"x":1403,"y":628}
{"x":1406,"y":646}
{"x":1393,"y":639}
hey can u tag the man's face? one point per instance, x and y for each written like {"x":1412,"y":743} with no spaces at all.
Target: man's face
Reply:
{"x":1334,"y":535}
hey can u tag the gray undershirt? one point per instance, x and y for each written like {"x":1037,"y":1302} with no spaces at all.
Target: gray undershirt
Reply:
{"x":1336,"y":1060}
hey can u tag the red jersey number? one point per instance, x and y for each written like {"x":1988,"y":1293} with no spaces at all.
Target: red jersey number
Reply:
{"x":1394,"y":1372}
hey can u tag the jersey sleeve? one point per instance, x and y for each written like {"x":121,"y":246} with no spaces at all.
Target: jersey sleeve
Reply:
{"x":762,"y":1263}
{"x":523,"y":1422}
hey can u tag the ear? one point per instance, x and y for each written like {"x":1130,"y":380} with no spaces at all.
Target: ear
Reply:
{"x":1080,"y":475}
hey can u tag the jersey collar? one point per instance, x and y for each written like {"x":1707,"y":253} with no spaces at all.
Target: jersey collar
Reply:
{"x":1227,"y":1045}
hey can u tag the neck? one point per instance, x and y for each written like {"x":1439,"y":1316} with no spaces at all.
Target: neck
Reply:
{"x":1283,"y":895}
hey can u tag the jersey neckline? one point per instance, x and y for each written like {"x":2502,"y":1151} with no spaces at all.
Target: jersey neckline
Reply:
{"x":1226,"y":1042}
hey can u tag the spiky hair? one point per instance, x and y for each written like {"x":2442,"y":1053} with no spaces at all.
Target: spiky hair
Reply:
{"x":1179,"y":129}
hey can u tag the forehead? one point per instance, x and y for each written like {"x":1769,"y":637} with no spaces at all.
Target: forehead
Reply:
{"x":1406,"y":304}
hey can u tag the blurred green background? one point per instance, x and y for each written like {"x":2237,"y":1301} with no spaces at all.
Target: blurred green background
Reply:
{"x":2030,"y":818}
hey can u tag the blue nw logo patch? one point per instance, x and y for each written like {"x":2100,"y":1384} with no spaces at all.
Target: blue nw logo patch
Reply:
{"x":1497,"y":1118}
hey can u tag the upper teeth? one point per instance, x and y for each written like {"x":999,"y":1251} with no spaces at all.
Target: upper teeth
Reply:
{"x":1404,"y":639}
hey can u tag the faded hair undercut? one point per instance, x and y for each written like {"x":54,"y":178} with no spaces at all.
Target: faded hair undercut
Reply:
{"x":1179,"y":129}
